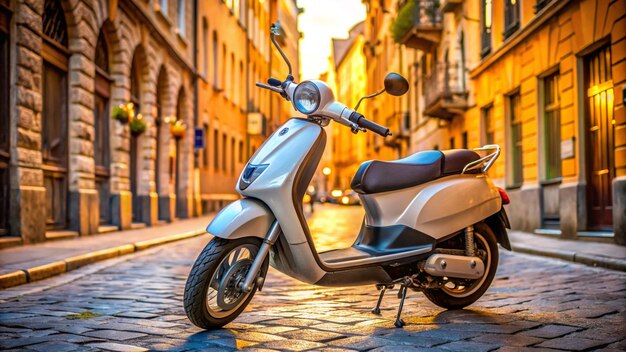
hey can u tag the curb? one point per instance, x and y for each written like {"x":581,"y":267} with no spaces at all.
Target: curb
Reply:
{"x":571,"y":256}
{"x":20,"y":277}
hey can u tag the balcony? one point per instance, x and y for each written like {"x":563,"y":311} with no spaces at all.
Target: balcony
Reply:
{"x":445,"y":94}
{"x":418,"y":24}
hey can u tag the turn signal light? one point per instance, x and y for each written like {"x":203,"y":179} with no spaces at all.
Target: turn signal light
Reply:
{"x":504,"y":196}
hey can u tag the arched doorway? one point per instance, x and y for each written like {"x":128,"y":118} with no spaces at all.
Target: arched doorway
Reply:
{"x":161,"y":96}
{"x":135,"y":98}
{"x":101,"y":127}
{"x":181,"y":198}
{"x":54,"y":133}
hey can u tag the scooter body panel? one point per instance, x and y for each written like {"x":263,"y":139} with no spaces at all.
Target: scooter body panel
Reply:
{"x":290,"y":154}
{"x":437,"y":208}
{"x":246,"y":217}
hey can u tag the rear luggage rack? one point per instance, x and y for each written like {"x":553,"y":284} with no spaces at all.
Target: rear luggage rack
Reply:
{"x":485,"y":162}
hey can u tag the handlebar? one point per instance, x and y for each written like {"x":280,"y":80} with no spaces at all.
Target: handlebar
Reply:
{"x":361,"y":121}
{"x":267,"y":86}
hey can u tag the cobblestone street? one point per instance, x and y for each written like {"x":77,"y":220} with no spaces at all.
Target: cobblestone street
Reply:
{"x":135,"y":303}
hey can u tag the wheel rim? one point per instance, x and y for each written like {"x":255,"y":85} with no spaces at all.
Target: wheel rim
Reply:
{"x":223,"y":295}
{"x":468,"y":287}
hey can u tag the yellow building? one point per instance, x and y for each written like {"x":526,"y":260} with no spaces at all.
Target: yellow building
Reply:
{"x":350,"y":81}
{"x":235,"y":51}
{"x":544,"y":80}
{"x":383,"y":55}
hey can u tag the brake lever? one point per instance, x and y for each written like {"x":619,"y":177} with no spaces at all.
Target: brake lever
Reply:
{"x":267,"y":86}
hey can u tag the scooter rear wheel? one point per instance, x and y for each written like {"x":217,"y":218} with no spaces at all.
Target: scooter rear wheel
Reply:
{"x":461,"y":294}
{"x":212,"y":296}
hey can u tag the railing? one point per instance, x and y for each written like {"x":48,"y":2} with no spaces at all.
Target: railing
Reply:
{"x":415,"y":14}
{"x":445,"y":87}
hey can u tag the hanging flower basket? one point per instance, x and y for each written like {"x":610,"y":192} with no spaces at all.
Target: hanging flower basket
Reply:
{"x":123,"y":112}
{"x":178,"y":129}
{"x":137,"y":125}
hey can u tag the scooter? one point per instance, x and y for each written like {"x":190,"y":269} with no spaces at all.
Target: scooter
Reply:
{"x":433,"y":220}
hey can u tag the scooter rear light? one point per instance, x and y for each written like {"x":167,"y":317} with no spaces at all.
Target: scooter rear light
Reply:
{"x":504,"y":196}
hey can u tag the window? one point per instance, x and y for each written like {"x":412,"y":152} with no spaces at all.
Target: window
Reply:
{"x":215,"y":61}
{"x":242,"y":87}
{"x":54,"y":134}
{"x":515,"y":142}
{"x":223,"y":82}
{"x":486,"y":23}
{"x":511,"y":17}
{"x":488,"y":125}
{"x":181,"y":17}
{"x":205,"y":154}
{"x":451,"y":142}
{"x":101,"y":116}
{"x":205,"y":48}
{"x":232,"y":155}
{"x":552,"y":126}
{"x":233,"y":79}
{"x":464,"y":143}
{"x":241,"y":148}
{"x":216,"y":150}
{"x":224,"y":153}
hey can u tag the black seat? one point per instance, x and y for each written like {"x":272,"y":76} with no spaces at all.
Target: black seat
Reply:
{"x":376,"y":176}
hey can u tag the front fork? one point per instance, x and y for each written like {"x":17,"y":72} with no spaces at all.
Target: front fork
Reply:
{"x":253,"y":273}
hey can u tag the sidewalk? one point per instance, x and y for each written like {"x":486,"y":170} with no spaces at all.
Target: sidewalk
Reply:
{"x":605,"y":255}
{"x":19,"y":265}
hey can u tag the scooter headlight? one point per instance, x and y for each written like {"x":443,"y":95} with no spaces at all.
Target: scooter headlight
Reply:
{"x":251,"y":173}
{"x":307,"y":98}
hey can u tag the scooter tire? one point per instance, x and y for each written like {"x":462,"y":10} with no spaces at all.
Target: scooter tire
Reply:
{"x":199,"y":279}
{"x":444,"y":300}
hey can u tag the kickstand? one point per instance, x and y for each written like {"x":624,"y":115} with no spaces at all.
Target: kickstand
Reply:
{"x":399,"y":322}
{"x":376,"y":310}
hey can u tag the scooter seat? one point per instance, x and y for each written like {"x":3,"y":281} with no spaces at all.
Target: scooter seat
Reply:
{"x":376,"y":176}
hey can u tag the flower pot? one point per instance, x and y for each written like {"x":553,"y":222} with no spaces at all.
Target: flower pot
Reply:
{"x":123,"y":112}
{"x":178,"y":129}
{"x":137,"y":125}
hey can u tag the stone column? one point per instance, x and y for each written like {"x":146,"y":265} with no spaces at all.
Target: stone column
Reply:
{"x":572,"y":209}
{"x":83,"y":207}
{"x":28,"y":206}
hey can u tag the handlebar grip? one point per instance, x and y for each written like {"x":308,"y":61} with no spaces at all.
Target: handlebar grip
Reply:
{"x":369,"y":125}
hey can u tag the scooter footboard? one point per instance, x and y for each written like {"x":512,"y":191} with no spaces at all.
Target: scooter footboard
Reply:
{"x":245,"y":217}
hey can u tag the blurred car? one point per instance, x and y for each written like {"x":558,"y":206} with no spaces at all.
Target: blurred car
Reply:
{"x":334,"y":197}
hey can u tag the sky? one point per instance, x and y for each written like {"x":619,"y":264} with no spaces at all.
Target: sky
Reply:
{"x":321,"y":21}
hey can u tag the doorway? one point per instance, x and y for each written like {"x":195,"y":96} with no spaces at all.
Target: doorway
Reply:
{"x":599,"y":137}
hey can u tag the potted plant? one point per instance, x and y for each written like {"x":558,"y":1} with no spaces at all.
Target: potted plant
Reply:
{"x":177,"y":127}
{"x":137,"y":125}
{"x":123,"y":112}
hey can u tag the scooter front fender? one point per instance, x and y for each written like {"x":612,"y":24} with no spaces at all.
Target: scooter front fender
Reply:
{"x":245,"y":217}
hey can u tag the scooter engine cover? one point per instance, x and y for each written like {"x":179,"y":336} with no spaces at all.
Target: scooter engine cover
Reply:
{"x":456,"y":266}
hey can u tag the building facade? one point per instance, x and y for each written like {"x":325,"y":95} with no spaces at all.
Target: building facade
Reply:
{"x":544,"y":80}
{"x":101,"y":100}
{"x":235,"y":51}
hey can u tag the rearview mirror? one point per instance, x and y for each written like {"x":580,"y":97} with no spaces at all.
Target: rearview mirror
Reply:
{"x":395,"y":84}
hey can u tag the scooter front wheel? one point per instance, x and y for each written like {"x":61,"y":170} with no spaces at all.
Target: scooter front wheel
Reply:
{"x":458,"y":294}
{"x":213,"y":297}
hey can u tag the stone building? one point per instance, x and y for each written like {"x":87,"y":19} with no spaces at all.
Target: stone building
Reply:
{"x":544,"y":80}
{"x":67,"y":167}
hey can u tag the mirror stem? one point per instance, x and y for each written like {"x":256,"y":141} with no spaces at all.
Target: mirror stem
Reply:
{"x":368,"y":97}
{"x":274,"y":30}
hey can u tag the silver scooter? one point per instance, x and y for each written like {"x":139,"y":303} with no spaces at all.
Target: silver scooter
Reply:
{"x":433,"y":220}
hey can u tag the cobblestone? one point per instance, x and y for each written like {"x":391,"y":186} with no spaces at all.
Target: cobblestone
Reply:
{"x":533,"y":303}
